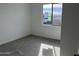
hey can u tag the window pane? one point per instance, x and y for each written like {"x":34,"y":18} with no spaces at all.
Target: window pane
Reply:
{"x":47,"y":13}
{"x":57,"y":14}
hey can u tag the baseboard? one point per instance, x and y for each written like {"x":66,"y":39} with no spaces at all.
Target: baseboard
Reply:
{"x":30,"y":36}
{"x":16,"y":39}
{"x":46,"y":38}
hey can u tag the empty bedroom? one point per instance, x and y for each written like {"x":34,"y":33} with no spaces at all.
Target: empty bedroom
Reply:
{"x":30,"y":29}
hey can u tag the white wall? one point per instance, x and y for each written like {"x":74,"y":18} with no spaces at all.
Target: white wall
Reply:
{"x":70,"y":30}
{"x":14,"y":21}
{"x":43,"y":30}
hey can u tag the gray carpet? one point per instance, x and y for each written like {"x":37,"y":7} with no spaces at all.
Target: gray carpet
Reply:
{"x":30,"y":46}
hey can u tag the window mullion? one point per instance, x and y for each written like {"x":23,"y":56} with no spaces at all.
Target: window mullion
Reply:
{"x":52,"y":14}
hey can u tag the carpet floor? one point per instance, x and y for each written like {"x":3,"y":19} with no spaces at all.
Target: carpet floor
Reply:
{"x":31,"y":46}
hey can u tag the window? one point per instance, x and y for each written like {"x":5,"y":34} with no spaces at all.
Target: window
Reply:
{"x":47,"y":14}
{"x":52,"y":14}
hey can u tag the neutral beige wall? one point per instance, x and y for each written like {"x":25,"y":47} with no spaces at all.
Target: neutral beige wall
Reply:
{"x":14,"y":21}
{"x":38,"y":28}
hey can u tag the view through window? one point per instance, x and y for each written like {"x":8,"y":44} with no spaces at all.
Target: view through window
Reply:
{"x":52,"y":14}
